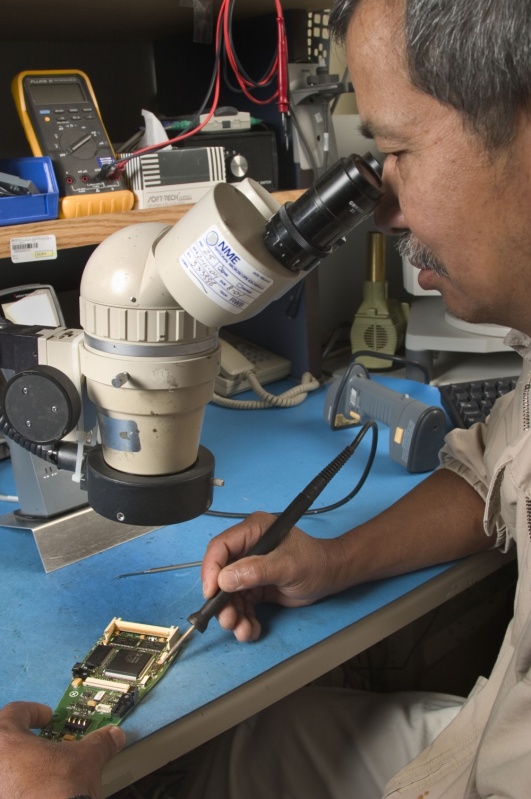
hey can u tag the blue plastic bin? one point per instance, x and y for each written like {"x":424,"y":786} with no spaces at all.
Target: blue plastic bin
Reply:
{"x":30,"y":207}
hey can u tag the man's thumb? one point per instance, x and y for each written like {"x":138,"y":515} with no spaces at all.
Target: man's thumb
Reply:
{"x":107,"y":742}
{"x":245,"y":573}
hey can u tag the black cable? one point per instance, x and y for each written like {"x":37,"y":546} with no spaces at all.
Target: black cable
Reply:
{"x":357,"y":488}
{"x":256,"y":83}
{"x":237,"y":89}
{"x":399,"y":360}
{"x":338,"y":96}
{"x":341,"y":333}
{"x":304,"y":142}
{"x":44,"y":451}
{"x":194,"y":120}
{"x":220,"y":54}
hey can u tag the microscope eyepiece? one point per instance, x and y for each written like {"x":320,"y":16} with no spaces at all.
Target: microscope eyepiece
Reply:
{"x":301,"y":233}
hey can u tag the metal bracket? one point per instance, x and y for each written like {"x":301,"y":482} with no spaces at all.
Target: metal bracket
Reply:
{"x":73,"y":536}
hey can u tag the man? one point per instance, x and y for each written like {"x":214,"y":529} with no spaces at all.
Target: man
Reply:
{"x":444,"y":87}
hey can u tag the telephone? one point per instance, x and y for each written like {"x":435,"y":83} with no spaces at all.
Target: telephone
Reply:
{"x":61,"y":119}
{"x":238,"y":356}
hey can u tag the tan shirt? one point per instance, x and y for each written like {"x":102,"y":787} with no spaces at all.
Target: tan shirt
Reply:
{"x":486,"y":750}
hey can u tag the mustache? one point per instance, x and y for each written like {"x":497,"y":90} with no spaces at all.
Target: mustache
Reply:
{"x":409,"y":247}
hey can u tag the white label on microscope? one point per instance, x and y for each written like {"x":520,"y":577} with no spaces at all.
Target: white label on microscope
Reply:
{"x":219,"y":270}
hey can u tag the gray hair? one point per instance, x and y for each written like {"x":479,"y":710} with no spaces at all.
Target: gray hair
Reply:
{"x":474,"y":55}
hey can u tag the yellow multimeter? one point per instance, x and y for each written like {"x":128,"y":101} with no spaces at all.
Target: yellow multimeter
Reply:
{"x":61,"y":119}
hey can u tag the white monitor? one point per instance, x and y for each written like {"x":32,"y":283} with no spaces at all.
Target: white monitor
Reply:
{"x":34,"y":304}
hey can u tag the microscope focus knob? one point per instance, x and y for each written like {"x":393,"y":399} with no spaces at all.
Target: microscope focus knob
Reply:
{"x":41,"y":404}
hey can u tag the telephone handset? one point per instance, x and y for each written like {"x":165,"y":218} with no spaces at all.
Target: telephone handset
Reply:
{"x":233,"y":362}
{"x":238,"y":356}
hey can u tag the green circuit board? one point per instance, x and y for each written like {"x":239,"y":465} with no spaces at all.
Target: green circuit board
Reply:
{"x":124,"y":664}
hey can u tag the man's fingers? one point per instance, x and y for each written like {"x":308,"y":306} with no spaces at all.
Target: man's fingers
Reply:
{"x":26,"y":715}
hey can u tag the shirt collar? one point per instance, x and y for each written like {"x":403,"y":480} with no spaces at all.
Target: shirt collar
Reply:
{"x":519,"y":342}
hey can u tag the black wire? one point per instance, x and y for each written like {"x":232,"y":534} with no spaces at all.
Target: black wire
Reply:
{"x":338,"y":97}
{"x":341,"y":333}
{"x":399,"y":360}
{"x":257,"y":84}
{"x":204,"y":104}
{"x":193,"y":122}
{"x":237,"y":89}
{"x":254,"y":84}
{"x":195,"y":119}
{"x":221,"y":52}
{"x":327,"y":508}
{"x":304,"y":141}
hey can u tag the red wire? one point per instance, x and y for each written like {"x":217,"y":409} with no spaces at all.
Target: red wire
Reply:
{"x":279,"y":66}
{"x":120,"y":165}
{"x":233,"y":62}
{"x":283,"y":80}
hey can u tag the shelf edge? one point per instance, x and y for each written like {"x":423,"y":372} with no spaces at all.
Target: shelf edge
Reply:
{"x":91,"y":230}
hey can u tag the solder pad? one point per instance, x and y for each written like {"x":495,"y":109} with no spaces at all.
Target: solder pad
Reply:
{"x":115,"y":675}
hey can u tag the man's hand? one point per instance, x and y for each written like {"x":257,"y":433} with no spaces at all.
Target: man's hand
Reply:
{"x":34,"y":768}
{"x":300,"y":571}
{"x":303,"y":569}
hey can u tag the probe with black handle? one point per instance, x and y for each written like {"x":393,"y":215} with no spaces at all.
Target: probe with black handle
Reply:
{"x":275,"y":534}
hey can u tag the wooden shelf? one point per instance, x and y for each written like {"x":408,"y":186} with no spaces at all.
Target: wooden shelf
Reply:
{"x":92,"y":230}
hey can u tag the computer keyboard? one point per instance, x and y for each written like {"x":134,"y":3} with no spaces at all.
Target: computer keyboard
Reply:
{"x":467,"y":403}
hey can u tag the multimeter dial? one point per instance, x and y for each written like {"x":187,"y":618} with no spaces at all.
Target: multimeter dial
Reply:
{"x":78,"y":143}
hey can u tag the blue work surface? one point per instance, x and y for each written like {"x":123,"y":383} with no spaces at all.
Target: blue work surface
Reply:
{"x":49,"y":621}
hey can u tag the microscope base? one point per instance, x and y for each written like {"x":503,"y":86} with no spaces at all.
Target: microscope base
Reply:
{"x":73,"y":536}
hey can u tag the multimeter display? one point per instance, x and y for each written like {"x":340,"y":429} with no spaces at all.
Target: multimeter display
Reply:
{"x":62,"y":120}
{"x":56,"y":92}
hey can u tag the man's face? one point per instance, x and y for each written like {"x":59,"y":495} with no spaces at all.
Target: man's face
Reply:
{"x":465,"y":215}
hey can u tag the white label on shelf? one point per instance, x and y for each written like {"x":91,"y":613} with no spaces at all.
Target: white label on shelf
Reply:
{"x":222,"y":273}
{"x":33,"y":248}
